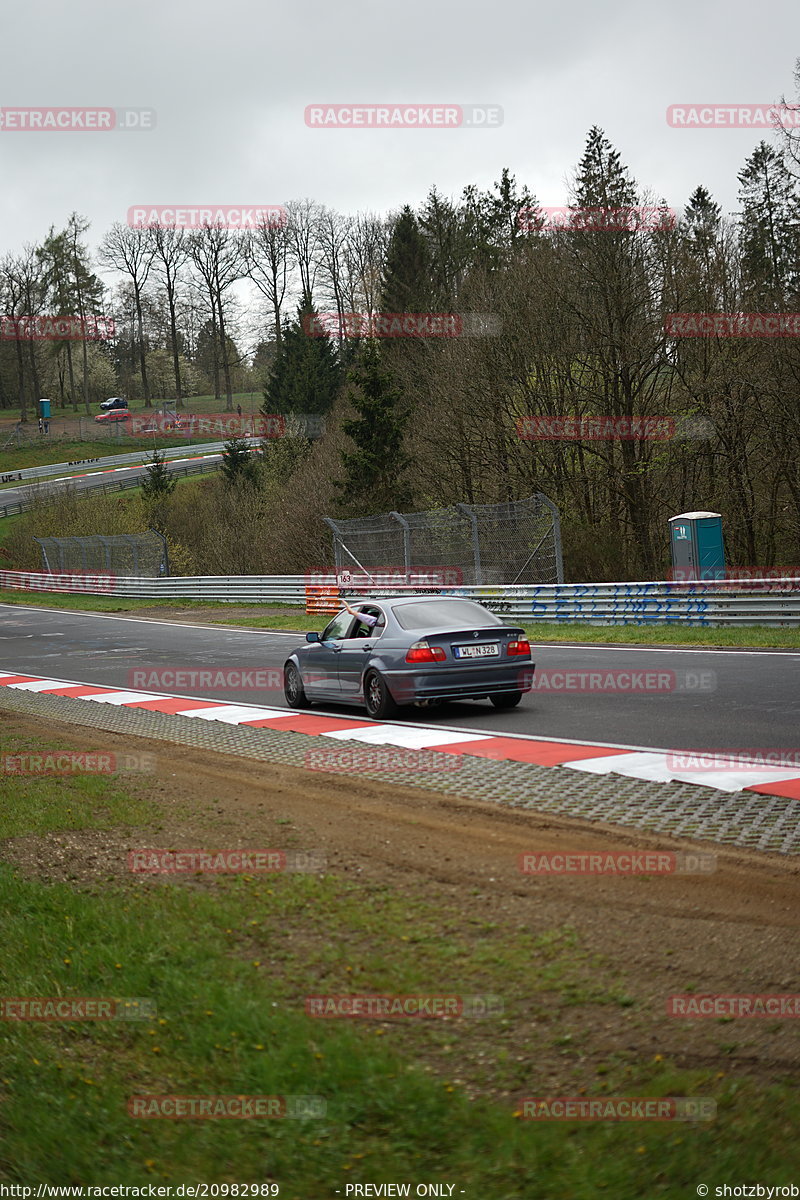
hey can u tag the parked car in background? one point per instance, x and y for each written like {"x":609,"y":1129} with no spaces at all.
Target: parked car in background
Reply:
{"x":113,"y":402}
{"x":411,"y":650}
{"x":113,"y":415}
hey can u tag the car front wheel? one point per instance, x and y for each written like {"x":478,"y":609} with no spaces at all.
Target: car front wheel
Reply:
{"x":506,"y":699}
{"x":377,"y":697}
{"x":293,"y":688}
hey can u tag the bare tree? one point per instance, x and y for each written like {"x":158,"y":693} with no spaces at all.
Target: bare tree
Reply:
{"x":363,"y":262}
{"x":131,"y":251}
{"x":303,"y":230}
{"x":788,"y":133}
{"x":13,"y":297}
{"x":218,"y":255}
{"x":170,"y":252}
{"x":333,"y":231}
{"x":32,"y":291}
{"x":269,"y":257}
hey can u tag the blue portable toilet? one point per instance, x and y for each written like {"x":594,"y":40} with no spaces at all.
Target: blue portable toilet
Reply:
{"x":44,"y":410}
{"x":698,"y":551}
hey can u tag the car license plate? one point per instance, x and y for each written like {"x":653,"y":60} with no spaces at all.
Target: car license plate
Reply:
{"x":481,"y":650}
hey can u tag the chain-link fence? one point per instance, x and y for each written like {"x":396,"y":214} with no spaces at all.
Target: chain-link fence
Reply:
{"x":141,"y":555}
{"x":61,"y":429}
{"x":474,"y":544}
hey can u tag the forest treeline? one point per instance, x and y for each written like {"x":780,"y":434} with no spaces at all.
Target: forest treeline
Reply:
{"x":555,"y":321}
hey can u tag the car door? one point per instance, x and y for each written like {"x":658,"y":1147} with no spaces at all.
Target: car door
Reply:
{"x":356,"y":651}
{"x":320,"y":669}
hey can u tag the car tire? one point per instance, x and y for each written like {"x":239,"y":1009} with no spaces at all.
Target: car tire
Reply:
{"x":377,"y":697}
{"x":293,"y":688}
{"x":506,"y":699}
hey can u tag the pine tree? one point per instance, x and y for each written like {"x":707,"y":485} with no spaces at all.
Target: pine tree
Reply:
{"x":496,"y":220}
{"x":239,"y":464}
{"x":602,"y":181}
{"x":701,"y":222}
{"x":157,"y":482}
{"x":769,"y":235}
{"x":307,"y":373}
{"x":406,"y":285}
{"x":157,"y":487}
{"x":375,"y":471}
{"x":447,"y":250}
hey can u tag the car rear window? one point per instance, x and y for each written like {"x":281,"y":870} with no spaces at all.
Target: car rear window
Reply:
{"x":433,"y":614}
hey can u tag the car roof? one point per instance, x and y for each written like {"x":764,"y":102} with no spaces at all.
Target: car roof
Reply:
{"x":393,"y":601}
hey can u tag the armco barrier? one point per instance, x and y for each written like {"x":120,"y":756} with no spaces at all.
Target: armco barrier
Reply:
{"x":711,"y":603}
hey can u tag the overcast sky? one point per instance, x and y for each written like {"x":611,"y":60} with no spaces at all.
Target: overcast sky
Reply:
{"x":230,"y":82}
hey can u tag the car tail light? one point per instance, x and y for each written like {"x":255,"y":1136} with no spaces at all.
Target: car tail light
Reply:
{"x":519,"y":647}
{"x":422,"y":652}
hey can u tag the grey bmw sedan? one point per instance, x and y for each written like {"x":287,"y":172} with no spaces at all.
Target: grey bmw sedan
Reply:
{"x":410,"y":650}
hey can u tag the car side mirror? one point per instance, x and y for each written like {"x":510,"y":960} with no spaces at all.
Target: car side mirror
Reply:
{"x":312,"y":637}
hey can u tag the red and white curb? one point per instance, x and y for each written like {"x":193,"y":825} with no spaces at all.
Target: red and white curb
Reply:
{"x":128,"y":467}
{"x":637,"y":763}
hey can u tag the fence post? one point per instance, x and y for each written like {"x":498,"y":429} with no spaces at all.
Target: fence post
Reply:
{"x":556,"y":535}
{"x":406,"y":541}
{"x":166,"y":548}
{"x":337,"y":549}
{"x":466,"y":511}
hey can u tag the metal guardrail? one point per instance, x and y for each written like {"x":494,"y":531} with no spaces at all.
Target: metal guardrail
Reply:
{"x":107,"y":485}
{"x":138,"y":457}
{"x":710,"y":603}
{"x":285,"y":589}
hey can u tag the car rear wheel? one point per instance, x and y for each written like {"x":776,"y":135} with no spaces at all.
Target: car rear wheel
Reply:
{"x":293,"y":688}
{"x":377,"y":697}
{"x":506,"y":699}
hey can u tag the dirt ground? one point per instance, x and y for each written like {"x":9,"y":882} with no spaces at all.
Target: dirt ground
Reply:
{"x":734,"y":931}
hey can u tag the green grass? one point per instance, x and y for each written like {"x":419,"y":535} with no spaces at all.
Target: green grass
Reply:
{"x":251,"y":402}
{"x":81,"y":603}
{"x":227,"y":965}
{"x":6,"y":525}
{"x":38,"y":805}
{"x":667,"y":635}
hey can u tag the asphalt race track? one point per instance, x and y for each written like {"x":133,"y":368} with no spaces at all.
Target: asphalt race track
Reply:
{"x":89,"y":480}
{"x":704,"y":699}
